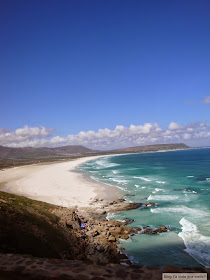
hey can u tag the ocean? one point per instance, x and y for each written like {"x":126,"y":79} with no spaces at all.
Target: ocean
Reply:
{"x":179,"y":182}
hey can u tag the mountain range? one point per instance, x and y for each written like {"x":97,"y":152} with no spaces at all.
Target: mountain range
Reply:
{"x":29,"y":153}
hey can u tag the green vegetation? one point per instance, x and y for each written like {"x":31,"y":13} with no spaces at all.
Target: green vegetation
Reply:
{"x":30,"y":227}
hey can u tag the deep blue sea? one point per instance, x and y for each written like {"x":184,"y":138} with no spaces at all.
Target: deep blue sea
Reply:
{"x":179,"y":182}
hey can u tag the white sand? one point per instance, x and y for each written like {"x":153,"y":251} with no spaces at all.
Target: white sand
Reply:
{"x":55,"y":183}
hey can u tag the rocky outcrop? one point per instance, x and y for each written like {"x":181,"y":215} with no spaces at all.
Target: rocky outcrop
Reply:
{"x":101,"y":235}
{"x":120,"y":205}
{"x":66,"y":233}
{"x":129,"y":221}
{"x":149,"y":230}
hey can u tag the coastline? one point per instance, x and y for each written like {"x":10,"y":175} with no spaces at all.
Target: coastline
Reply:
{"x":101,"y":226}
{"x":58,"y":184}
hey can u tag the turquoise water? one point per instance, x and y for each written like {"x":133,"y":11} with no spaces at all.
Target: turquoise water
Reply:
{"x":179,"y":182}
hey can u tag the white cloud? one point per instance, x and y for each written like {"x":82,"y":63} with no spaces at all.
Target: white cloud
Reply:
{"x":193,"y":134}
{"x":206,"y":100}
{"x":33,"y":132}
{"x":175,"y":126}
{"x":22,"y":136}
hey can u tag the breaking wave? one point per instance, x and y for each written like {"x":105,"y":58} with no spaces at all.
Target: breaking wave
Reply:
{"x":180,"y":209}
{"x":157,"y":190}
{"x":162,"y":197}
{"x":119,"y":180}
{"x":197,"y":245}
{"x":104,"y":163}
{"x":143,"y":178}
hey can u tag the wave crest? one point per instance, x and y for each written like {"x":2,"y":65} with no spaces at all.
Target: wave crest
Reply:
{"x":197,"y":245}
{"x":162,"y":197}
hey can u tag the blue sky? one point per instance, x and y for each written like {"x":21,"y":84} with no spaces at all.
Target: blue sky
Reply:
{"x":87,"y":65}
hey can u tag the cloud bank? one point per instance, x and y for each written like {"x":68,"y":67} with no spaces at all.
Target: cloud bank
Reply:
{"x":192,"y":134}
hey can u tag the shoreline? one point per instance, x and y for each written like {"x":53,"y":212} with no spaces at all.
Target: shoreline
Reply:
{"x":92,"y":204}
{"x":60,"y":187}
{"x":4,"y":165}
{"x":58,"y":183}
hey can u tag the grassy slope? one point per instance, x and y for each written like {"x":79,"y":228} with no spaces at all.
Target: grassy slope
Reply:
{"x":28,"y":226}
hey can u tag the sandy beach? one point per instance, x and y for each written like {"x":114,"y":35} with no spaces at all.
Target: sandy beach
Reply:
{"x":56,"y":183}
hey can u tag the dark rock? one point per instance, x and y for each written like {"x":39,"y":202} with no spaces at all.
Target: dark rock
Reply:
{"x":115,"y":231}
{"x":149,"y":230}
{"x":114,"y":202}
{"x":121,"y":200}
{"x":72,"y":224}
{"x":100,"y":248}
{"x":129,"y":221}
{"x":127,"y":206}
{"x":111,"y":239}
{"x":131,"y":206}
{"x":95,"y":233}
{"x":136,"y":230}
{"x":121,"y":249}
{"x":150,"y":204}
{"x":163,"y":227}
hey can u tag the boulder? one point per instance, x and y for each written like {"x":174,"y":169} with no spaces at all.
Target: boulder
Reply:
{"x":127,"y":206}
{"x":111,"y":238}
{"x":149,"y":230}
{"x":100,"y":248}
{"x":95,"y":233}
{"x":72,"y":224}
{"x":115,"y":231}
{"x":121,"y":200}
{"x":129,"y":221}
{"x":162,"y":229}
{"x":150,"y":204}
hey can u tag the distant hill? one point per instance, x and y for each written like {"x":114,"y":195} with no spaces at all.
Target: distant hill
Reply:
{"x":71,"y":150}
{"x":151,"y":148}
{"x":40,"y":153}
{"x":34,"y":154}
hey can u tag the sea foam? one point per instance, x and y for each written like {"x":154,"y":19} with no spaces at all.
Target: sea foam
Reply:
{"x":142,"y":178}
{"x":180,"y":209}
{"x":157,"y":190}
{"x":162,"y":197}
{"x":189,"y":191}
{"x":197,"y":245}
{"x":104,"y":163}
{"x":119,"y":180}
